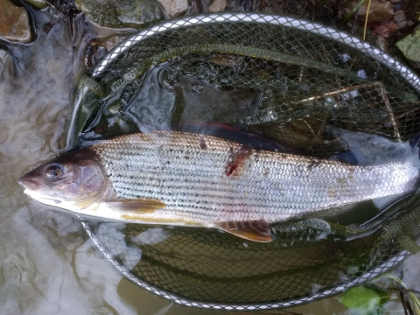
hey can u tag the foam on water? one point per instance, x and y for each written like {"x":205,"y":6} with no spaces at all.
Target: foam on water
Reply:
{"x":151,"y":236}
{"x":112,"y":236}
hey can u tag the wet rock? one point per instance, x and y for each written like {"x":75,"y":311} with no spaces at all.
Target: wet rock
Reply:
{"x":174,"y":7}
{"x":217,"y":6}
{"x":113,"y":41}
{"x":40,"y":4}
{"x":400,"y":19}
{"x":94,"y":52}
{"x":410,"y":46}
{"x":98,"y":48}
{"x":5,"y":59}
{"x":121,"y":14}
{"x":14,"y":22}
{"x":380,"y":11}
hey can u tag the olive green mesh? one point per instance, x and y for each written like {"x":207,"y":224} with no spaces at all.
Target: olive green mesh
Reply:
{"x":287,"y":80}
{"x":214,"y":267}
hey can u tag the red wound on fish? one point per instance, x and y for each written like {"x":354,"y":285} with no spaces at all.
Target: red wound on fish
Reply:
{"x":237,"y":160}
{"x":203,"y":144}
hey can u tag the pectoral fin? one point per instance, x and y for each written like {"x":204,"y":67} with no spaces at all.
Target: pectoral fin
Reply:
{"x":256,"y":231}
{"x":136,"y":205}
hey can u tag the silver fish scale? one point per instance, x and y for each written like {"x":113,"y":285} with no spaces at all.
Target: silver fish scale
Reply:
{"x":188,"y":172}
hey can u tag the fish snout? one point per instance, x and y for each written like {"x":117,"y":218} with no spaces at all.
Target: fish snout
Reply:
{"x":28,"y":182}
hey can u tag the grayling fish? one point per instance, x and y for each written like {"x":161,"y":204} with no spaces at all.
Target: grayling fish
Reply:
{"x":180,"y":178}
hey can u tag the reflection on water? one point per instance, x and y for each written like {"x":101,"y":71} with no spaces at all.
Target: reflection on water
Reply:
{"x":48,"y":264}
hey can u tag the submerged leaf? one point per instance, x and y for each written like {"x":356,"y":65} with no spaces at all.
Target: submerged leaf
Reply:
{"x":364,"y":300}
{"x":410,"y":46}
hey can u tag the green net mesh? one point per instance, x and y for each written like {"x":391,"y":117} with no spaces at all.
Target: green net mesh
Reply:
{"x":287,"y":80}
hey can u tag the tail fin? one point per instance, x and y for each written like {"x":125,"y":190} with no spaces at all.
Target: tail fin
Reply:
{"x":370,"y":149}
{"x":415,"y":141}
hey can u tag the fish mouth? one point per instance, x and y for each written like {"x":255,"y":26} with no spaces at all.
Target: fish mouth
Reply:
{"x":37,"y":196}
{"x":32,"y":189}
{"x":28,"y":183}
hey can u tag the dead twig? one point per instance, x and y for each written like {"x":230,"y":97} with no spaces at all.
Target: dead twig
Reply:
{"x":366,"y":19}
{"x":390,"y":111}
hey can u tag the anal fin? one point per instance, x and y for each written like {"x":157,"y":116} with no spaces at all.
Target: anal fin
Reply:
{"x":256,"y":231}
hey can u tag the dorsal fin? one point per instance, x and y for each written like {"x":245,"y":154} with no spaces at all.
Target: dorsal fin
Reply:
{"x":227,"y":132}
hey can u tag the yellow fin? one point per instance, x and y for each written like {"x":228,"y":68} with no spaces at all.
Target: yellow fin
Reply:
{"x":256,"y":231}
{"x":136,"y":205}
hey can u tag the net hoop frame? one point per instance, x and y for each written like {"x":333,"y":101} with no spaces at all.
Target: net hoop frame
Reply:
{"x":259,"y":18}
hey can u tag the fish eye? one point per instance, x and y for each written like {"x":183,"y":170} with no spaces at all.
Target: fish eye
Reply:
{"x":54,"y":171}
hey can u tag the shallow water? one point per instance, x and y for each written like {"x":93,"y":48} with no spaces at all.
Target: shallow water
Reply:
{"x":48,"y":264}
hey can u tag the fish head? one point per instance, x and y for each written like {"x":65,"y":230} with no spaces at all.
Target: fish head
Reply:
{"x":73,"y":181}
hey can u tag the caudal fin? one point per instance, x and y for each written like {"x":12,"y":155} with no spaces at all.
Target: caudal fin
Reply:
{"x":370,"y":149}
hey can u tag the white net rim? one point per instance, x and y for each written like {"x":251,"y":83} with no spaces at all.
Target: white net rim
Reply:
{"x":259,"y":18}
{"x":303,"y":25}
{"x":369,"y":275}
